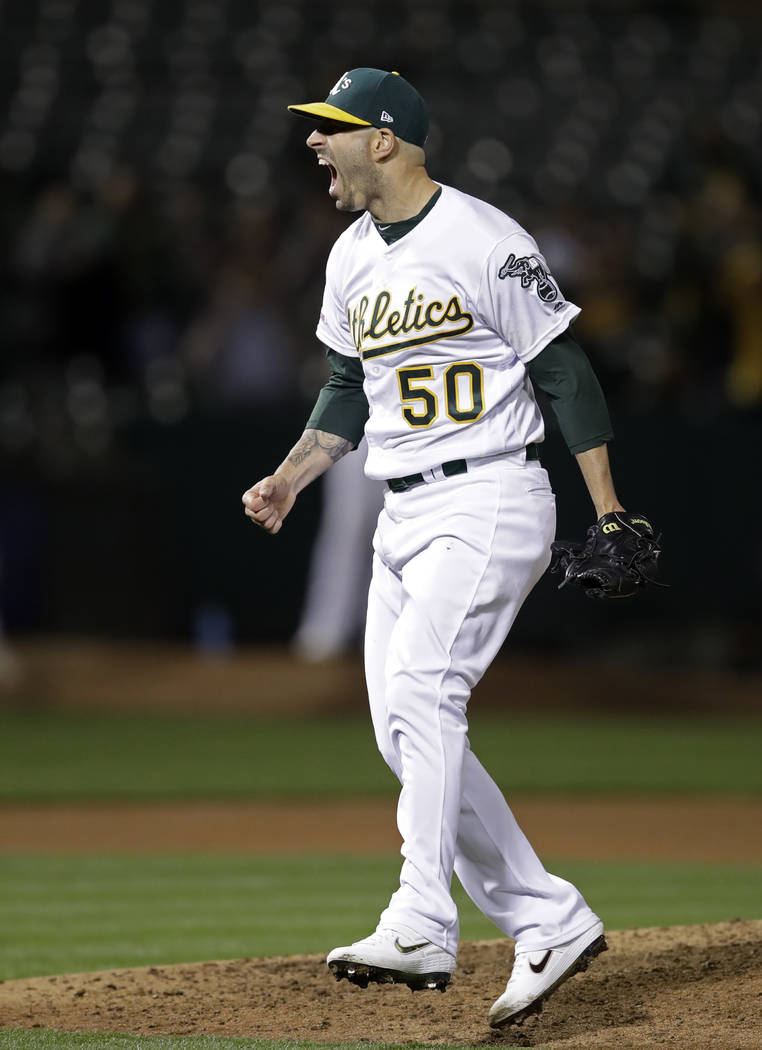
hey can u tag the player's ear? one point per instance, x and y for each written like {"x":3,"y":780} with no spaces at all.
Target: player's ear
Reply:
{"x":383,"y":144}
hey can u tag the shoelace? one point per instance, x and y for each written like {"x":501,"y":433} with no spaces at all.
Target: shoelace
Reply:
{"x":374,"y":938}
{"x":379,"y":937}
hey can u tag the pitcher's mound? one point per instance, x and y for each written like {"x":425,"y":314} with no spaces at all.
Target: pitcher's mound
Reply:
{"x":692,"y":987}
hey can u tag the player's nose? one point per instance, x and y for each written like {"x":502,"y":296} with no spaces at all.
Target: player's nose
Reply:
{"x":315,"y":139}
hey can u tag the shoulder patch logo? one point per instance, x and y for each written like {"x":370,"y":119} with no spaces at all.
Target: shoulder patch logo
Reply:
{"x":387,"y":117}
{"x":530,"y":270}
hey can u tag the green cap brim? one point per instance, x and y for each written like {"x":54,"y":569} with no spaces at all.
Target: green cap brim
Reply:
{"x":322,"y":109}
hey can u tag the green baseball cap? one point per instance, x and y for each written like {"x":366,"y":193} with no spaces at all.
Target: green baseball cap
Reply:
{"x":373,"y":98}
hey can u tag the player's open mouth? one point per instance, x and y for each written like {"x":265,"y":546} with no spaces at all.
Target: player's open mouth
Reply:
{"x":334,"y":174}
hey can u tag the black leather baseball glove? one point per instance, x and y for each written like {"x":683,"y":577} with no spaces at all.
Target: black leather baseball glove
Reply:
{"x":617,"y":558}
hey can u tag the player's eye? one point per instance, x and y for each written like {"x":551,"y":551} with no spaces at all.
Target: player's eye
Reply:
{"x":334,"y":127}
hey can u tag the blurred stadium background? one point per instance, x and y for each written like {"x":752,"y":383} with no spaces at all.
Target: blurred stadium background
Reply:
{"x":165,"y":234}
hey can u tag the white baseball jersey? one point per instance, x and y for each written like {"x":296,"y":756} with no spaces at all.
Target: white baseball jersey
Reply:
{"x":444,"y":321}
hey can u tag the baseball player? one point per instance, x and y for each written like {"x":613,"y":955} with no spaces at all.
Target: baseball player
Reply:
{"x":439,"y":316}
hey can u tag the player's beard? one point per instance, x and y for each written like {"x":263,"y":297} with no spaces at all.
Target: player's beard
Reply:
{"x":357,"y":184}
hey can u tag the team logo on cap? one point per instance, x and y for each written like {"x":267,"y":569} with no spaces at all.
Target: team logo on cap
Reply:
{"x":341,"y":84}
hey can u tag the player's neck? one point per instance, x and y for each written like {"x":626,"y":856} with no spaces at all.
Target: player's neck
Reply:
{"x":402,"y":198}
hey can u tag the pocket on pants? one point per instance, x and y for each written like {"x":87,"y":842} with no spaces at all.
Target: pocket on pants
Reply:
{"x":537,"y":483}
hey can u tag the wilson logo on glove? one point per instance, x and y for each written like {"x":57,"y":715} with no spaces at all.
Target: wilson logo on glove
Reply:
{"x":617,"y":558}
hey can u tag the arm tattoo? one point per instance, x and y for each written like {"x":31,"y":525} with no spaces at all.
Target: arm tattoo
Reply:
{"x":331,"y":444}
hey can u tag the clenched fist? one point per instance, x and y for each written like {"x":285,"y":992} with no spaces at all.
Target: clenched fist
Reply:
{"x":268,"y":502}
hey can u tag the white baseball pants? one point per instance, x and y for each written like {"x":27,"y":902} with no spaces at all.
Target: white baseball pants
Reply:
{"x":454,"y":560}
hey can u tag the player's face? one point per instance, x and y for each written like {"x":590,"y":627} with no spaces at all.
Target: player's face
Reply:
{"x":346,"y":153}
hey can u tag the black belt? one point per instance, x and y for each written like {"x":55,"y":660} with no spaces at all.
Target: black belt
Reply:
{"x":449,"y":469}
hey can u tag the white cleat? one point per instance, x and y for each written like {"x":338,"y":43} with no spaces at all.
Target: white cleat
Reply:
{"x":536,"y":975}
{"x":393,"y":956}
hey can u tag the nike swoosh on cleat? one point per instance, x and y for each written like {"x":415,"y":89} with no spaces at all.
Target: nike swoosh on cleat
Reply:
{"x":409,"y":948}
{"x":540,"y":966}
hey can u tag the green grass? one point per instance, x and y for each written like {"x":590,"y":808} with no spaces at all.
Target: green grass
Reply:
{"x":19,"y":1039}
{"x":48,"y":756}
{"x":70,"y":914}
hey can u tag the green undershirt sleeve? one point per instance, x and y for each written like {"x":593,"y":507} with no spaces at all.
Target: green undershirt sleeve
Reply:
{"x":341,"y":407}
{"x":563,"y":371}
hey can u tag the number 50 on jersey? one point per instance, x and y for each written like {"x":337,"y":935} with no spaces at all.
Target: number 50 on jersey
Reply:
{"x":462,"y":385}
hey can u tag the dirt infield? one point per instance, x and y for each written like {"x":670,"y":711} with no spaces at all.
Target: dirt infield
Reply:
{"x":71,"y":674}
{"x":668,"y":828}
{"x":686,"y":987}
